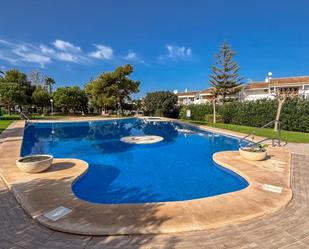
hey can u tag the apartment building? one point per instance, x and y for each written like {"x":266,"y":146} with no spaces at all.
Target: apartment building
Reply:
{"x":251,"y":91}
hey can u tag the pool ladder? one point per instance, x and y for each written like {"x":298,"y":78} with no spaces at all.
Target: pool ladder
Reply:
{"x":274,"y":140}
{"x":25,"y":117}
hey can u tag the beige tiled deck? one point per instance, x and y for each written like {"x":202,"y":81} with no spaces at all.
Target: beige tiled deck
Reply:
{"x":287,"y":228}
{"x":40,"y":193}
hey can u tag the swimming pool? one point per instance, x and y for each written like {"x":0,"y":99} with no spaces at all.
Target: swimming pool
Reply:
{"x":179,"y":167}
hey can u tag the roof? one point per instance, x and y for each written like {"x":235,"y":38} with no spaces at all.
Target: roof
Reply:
{"x":193,"y":93}
{"x":207,"y":91}
{"x":257,"y":85}
{"x":289,"y":81}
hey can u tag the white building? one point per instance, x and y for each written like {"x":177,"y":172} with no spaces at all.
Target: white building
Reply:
{"x":254,"y":90}
{"x":269,"y":88}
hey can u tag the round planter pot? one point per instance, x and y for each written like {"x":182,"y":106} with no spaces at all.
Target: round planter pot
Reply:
{"x":252,"y":156}
{"x":34,"y":163}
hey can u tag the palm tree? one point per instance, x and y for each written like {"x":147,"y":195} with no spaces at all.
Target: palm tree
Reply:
{"x":49,"y":81}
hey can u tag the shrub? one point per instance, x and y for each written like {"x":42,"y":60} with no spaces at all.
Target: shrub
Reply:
{"x":210,"y":117}
{"x":198,"y":112}
{"x":294,"y":116}
{"x":161,"y":104}
{"x":250,"y":113}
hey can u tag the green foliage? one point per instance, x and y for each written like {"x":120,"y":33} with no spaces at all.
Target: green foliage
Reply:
{"x":49,"y":82}
{"x":70,"y":99}
{"x":225,"y":77}
{"x":210,"y":117}
{"x":198,"y":112}
{"x":41,"y":98}
{"x":112,"y":90}
{"x":15,"y":89}
{"x":162,"y":103}
{"x":251,"y":113}
{"x":294,"y":117}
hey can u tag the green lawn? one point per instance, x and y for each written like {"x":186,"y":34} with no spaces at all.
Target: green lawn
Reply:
{"x":4,"y":124}
{"x":289,"y":136}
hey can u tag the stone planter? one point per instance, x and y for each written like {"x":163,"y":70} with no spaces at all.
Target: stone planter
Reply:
{"x":34,"y":163}
{"x":252,"y":155}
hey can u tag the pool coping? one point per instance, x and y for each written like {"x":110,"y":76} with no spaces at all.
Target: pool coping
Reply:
{"x":41,"y":193}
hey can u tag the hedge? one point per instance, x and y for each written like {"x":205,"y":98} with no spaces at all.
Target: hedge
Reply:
{"x":294,"y":116}
{"x":198,"y":112}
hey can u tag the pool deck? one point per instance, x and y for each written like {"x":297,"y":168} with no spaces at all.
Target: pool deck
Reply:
{"x":269,"y":192}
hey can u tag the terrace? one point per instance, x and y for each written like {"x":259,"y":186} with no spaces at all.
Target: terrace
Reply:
{"x":274,"y":219}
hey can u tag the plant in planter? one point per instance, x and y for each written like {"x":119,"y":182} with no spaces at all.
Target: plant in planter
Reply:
{"x":256,"y":152}
{"x":34,"y":163}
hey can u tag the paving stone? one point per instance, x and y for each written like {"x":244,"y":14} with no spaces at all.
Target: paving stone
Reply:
{"x":287,"y":229}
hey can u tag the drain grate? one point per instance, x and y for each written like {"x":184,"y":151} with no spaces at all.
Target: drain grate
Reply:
{"x":57,"y":213}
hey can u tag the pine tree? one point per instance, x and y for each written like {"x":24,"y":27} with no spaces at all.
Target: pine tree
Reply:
{"x":225,"y":77}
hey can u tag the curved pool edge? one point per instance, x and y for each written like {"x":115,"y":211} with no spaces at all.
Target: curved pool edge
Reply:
{"x":40,"y":193}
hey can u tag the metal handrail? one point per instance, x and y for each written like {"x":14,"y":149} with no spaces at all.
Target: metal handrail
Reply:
{"x":263,"y":140}
{"x":24,"y":116}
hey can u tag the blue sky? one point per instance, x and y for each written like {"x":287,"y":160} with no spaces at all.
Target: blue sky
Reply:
{"x":171,"y":43}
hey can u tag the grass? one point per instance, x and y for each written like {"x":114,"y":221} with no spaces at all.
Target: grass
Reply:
{"x":289,"y":136}
{"x":4,"y":124}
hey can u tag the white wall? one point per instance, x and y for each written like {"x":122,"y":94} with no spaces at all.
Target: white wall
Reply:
{"x":257,"y":94}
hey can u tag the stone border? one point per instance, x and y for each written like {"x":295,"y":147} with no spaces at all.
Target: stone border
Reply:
{"x":41,"y":193}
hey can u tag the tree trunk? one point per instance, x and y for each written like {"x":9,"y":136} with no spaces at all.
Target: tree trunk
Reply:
{"x":279,"y":109}
{"x":120,"y":108}
{"x":214,"y":110}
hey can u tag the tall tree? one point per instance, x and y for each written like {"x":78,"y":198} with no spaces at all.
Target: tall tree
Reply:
{"x":282,"y":95}
{"x":113,"y":89}
{"x":124,"y":85}
{"x":225,"y":77}
{"x":70,"y":99}
{"x":101,"y":92}
{"x":15,"y":89}
{"x":49,"y":82}
{"x":37,"y":78}
{"x":162,"y":103}
{"x":215,"y":94}
{"x":40,"y":98}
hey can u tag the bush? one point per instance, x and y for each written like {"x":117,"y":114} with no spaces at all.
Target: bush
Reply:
{"x":161,"y":104}
{"x":210,"y":117}
{"x":294,"y":116}
{"x":198,"y":112}
{"x":250,"y":113}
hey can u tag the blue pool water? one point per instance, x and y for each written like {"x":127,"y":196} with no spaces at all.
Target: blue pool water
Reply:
{"x":178,"y":168}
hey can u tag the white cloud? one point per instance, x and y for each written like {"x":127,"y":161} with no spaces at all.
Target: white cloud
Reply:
{"x":20,"y":54}
{"x":66,"y":46}
{"x":46,"y":50}
{"x":102,"y":52}
{"x":26,"y":54}
{"x":130,"y":56}
{"x":176,"y":53}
